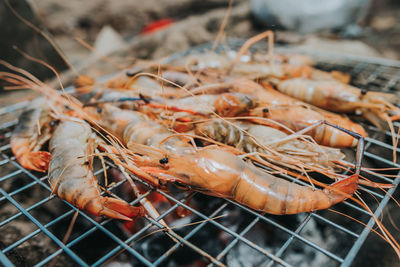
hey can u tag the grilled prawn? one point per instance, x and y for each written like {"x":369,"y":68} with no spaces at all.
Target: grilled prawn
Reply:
{"x":259,"y":66}
{"x":377,"y":107}
{"x":133,"y":127}
{"x":220,"y":173}
{"x":298,"y":118}
{"x":226,"y":104}
{"x":71,"y":177}
{"x":260,"y":138}
{"x":297,"y":115}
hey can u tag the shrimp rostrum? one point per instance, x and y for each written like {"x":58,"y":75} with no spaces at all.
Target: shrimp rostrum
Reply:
{"x":218,"y":172}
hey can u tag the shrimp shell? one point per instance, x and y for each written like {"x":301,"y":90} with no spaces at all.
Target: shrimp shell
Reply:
{"x":241,"y":135}
{"x":72,"y":179}
{"x":220,"y":173}
{"x":26,"y":139}
{"x":340,"y":97}
{"x":133,"y":127}
{"x":297,"y":115}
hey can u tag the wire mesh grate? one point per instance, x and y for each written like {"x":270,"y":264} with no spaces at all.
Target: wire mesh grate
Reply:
{"x":217,"y":231}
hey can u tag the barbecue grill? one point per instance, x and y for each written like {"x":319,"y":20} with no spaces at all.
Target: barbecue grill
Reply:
{"x":33,"y":222}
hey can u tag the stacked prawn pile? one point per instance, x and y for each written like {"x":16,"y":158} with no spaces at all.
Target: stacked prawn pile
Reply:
{"x":208,"y":122}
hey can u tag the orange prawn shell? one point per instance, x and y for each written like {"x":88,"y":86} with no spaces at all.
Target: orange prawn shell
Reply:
{"x":33,"y":130}
{"x":208,"y":175}
{"x":71,"y":177}
{"x":220,"y":173}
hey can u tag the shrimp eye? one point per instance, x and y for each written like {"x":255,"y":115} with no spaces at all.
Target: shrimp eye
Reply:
{"x":164,"y":160}
{"x":265,"y":110}
{"x":364,"y":91}
{"x":162,"y":182}
{"x":135,"y":70}
{"x":99,"y":109}
{"x":52,"y":123}
{"x":130,"y":73}
{"x":145,"y":99}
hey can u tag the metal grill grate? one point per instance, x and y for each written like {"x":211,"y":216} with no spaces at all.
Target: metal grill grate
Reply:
{"x":33,"y":222}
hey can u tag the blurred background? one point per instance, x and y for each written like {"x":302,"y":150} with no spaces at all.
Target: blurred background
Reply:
{"x":157,"y":28}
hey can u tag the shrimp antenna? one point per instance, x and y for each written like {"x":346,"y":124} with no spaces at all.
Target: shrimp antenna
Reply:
{"x":223,"y":25}
{"x":251,"y":42}
{"x":43,"y":63}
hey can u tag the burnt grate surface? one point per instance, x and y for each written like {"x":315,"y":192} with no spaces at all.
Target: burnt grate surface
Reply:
{"x":33,"y":222}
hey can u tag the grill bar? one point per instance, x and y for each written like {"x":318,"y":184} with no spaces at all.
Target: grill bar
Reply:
{"x":236,"y":240}
{"x":4,"y":260}
{"x":315,"y":215}
{"x":291,"y":238}
{"x":353,"y":252}
{"x":304,"y":240}
{"x":98,"y":226}
{"x":248,"y":242}
{"x":22,"y":240}
{"x":43,"y":229}
{"x":189,"y":235}
{"x":189,"y":244}
{"x":128,"y":241}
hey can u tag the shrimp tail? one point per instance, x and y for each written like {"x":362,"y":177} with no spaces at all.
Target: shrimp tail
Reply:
{"x":38,"y":161}
{"x":119,"y":209}
{"x":341,"y":190}
{"x":32,"y":160}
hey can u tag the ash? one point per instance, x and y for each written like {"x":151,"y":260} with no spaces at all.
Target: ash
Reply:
{"x":297,"y":253}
